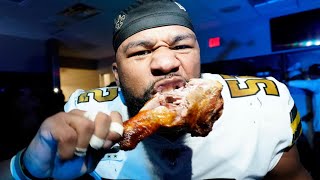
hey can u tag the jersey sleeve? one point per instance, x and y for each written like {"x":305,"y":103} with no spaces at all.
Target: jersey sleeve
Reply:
{"x":272,"y":107}
{"x":294,"y":115}
{"x":289,"y":124}
{"x":273,"y":95}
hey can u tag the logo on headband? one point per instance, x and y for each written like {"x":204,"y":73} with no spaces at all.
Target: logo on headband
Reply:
{"x":119,"y":22}
{"x":180,"y":6}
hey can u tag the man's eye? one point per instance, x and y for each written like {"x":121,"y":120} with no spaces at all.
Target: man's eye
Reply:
{"x":140,"y":53}
{"x":181,"y":47}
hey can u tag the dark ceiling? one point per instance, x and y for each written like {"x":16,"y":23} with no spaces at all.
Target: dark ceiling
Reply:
{"x":84,"y":28}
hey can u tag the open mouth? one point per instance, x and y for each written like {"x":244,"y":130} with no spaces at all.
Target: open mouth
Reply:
{"x":169,"y":84}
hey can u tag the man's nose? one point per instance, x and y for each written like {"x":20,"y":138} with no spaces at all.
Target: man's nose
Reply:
{"x":164,"y":61}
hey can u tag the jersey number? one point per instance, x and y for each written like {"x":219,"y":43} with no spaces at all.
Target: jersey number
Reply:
{"x":98,"y":95}
{"x":251,"y":86}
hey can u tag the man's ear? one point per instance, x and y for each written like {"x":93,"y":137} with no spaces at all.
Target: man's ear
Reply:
{"x":115,"y":72}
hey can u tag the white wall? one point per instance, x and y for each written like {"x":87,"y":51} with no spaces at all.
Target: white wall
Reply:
{"x":73,"y":79}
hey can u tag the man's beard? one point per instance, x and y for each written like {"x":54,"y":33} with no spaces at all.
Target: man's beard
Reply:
{"x":133,"y":103}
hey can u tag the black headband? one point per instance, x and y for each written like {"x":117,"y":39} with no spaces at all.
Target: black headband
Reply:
{"x":148,"y":14}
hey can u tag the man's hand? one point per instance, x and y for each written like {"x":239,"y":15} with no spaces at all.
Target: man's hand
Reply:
{"x":52,"y":151}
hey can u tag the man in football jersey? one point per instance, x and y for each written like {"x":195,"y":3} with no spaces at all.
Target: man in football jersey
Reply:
{"x":156,"y":48}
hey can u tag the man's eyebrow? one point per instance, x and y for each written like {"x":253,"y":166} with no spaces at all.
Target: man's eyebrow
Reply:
{"x":145,"y":43}
{"x":142,"y":43}
{"x":183,"y":37}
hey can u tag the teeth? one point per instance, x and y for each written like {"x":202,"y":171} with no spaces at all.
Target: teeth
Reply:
{"x":170,"y":85}
{"x":169,"y":75}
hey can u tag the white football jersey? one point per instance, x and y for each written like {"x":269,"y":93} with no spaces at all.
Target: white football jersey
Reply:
{"x":258,"y":122}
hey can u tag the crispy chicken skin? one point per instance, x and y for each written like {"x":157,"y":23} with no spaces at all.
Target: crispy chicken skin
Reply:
{"x":194,"y":107}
